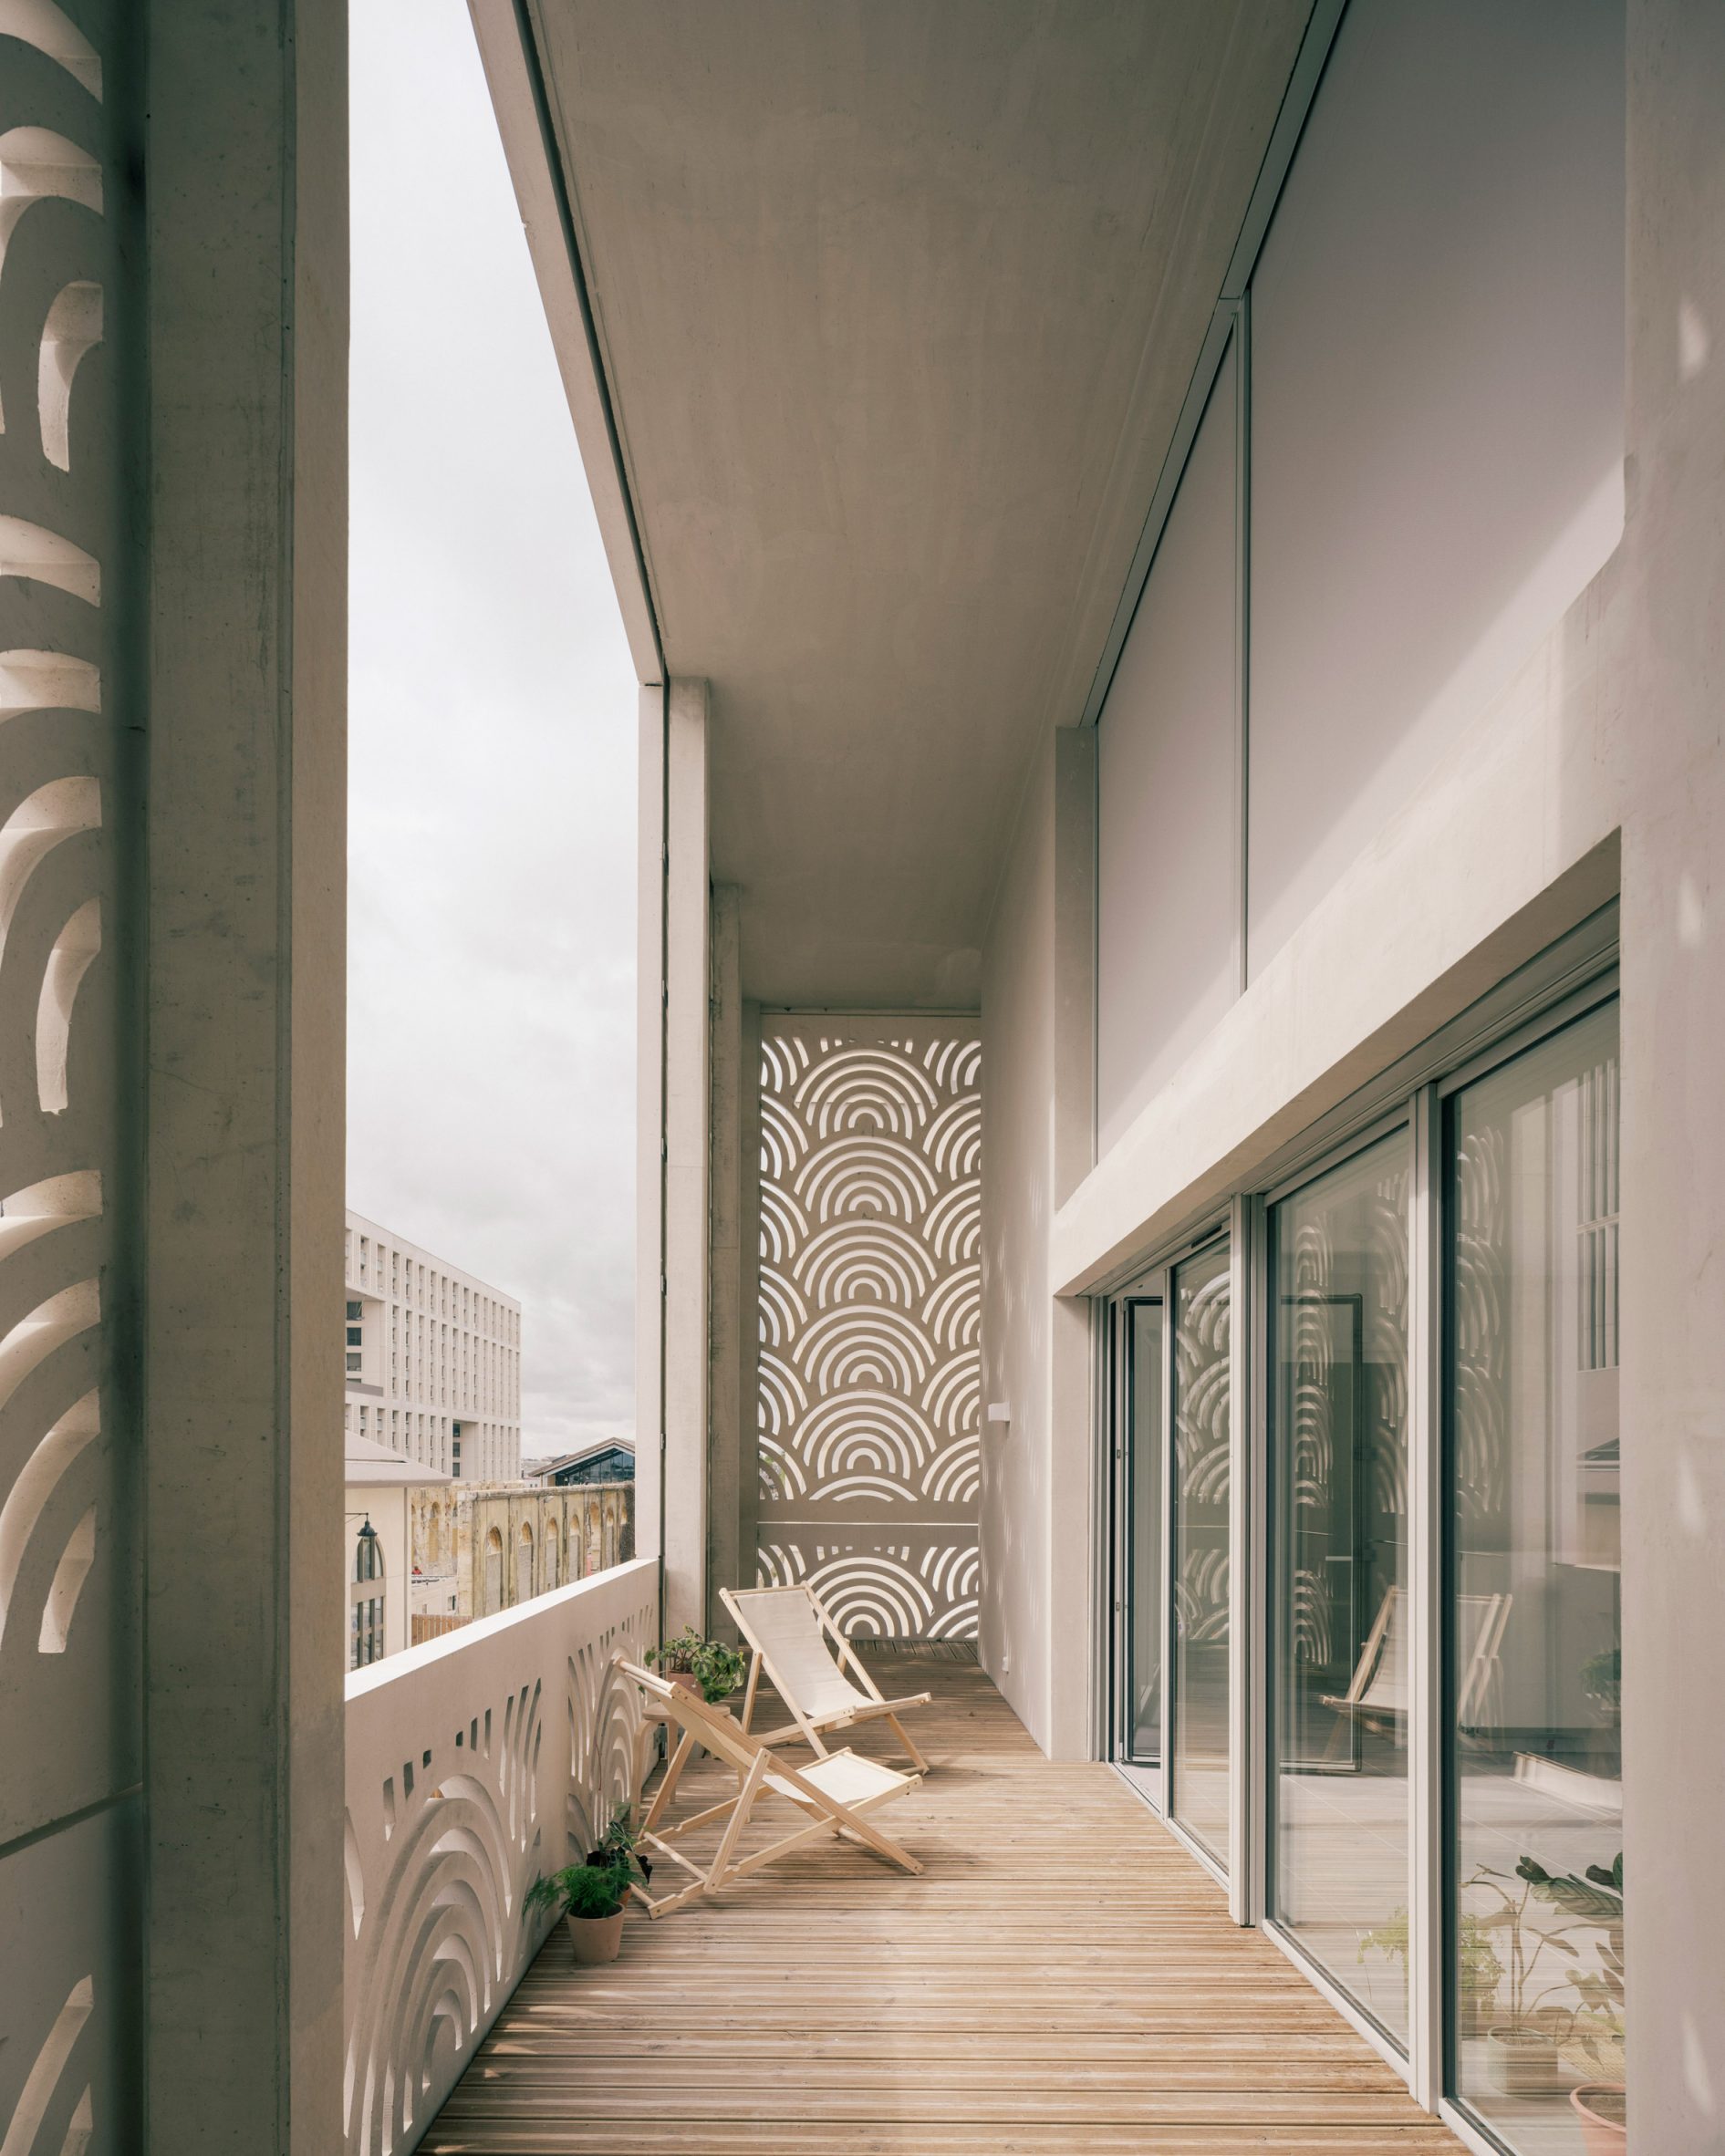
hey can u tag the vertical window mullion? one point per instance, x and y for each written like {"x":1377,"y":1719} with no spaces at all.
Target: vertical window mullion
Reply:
{"x":1428,"y":1824}
{"x":1170,"y":1614}
{"x":1252,"y":1320}
{"x":1245,"y":1601}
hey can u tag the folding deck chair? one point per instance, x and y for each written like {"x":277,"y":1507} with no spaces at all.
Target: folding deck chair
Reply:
{"x":1378,"y":1692}
{"x":789,"y":1628}
{"x":832,"y":1794}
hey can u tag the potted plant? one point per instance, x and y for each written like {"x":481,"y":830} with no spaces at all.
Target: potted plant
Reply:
{"x":1481,"y":1972}
{"x":708,"y":1666}
{"x":591,"y":1896}
{"x":1596,"y":1898}
{"x":1522,"y":2049}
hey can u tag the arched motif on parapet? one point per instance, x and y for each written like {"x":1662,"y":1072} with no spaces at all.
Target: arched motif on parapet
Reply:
{"x":440,"y":1848}
{"x":870,"y":1425}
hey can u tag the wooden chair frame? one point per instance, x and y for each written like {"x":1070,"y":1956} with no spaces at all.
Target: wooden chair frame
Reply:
{"x":760,"y":1773}
{"x":1483,"y":1668}
{"x":874,"y":1706}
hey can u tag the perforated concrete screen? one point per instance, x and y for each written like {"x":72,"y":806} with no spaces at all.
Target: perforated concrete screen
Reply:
{"x":871,"y":1309}
{"x":70,"y":1664}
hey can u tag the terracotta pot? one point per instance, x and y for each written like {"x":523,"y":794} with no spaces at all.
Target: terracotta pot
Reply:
{"x":687,"y":1679}
{"x":596,"y":1938}
{"x":1521,"y":2061}
{"x":1600,"y":2135}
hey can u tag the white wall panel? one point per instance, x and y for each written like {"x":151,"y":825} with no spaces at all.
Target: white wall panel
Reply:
{"x":1436,"y":407}
{"x":1168,"y":955}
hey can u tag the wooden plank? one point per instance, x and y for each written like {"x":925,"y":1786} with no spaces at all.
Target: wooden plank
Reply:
{"x":1015,"y":1999}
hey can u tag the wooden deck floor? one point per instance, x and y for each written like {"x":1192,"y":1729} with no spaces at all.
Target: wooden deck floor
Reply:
{"x":1020,"y":1997}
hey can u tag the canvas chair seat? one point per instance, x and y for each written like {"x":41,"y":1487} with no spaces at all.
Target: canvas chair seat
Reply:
{"x":833,"y":1795}
{"x":846,"y":1776}
{"x":794,"y":1639}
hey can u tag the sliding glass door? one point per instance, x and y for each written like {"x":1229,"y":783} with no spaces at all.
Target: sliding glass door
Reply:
{"x":1533,"y":1660}
{"x":1200,"y":1306}
{"x":1440,"y":1611}
{"x":1339,"y":1576}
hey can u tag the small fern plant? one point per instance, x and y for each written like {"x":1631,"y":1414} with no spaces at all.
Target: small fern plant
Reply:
{"x":580,"y":1891}
{"x":599,"y":1886}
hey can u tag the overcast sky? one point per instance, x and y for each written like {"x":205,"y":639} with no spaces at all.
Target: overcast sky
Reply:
{"x":491,"y":706}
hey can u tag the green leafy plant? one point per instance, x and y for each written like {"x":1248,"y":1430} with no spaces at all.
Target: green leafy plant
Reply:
{"x":1481,"y":1972}
{"x":717,"y":1668}
{"x":581,"y":1891}
{"x":619,"y":1846}
{"x":1522,"y":1948}
{"x":1596,"y":1898}
{"x":598,"y":1887}
{"x":1602,"y":1680}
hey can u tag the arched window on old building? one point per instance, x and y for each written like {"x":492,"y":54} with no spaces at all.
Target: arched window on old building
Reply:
{"x":366,"y":1596}
{"x":524,"y":1564}
{"x":493,"y":1573}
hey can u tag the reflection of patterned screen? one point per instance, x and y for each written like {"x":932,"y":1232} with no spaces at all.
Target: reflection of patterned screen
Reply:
{"x":871,"y":1318}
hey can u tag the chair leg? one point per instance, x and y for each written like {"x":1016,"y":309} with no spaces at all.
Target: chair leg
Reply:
{"x":916,"y":1759}
{"x":739,"y":1819}
{"x":673,"y":1775}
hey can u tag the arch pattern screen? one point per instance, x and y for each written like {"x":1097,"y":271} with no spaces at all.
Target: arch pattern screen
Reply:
{"x":870,"y":1317}
{"x":70,"y":1674}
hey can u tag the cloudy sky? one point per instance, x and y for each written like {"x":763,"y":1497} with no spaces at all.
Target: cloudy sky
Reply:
{"x":491,"y":894}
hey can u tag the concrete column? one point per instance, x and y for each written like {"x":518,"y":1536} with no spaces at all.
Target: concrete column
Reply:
{"x":726,"y":1310}
{"x":1673,"y":1315}
{"x":1072,"y":1485}
{"x":652,"y":852}
{"x":246,"y":148}
{"x":688,"y":1156}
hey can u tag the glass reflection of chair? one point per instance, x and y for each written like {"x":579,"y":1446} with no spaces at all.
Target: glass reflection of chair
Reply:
{"x":1377,"y":1695}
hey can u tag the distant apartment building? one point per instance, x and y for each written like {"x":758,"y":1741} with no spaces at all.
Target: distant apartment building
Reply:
{"x":434,"y":1359}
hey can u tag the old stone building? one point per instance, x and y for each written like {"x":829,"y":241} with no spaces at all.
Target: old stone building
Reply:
{"x":479,"y":1550}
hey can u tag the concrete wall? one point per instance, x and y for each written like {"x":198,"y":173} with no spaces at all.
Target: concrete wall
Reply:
{"x":1036,"y":1621}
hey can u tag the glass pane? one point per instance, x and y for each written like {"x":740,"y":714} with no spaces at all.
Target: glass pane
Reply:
{"x":1198,"y":1796}
{"x":1533,"y":1655}
{"x":1145,"y":1590}
{"x":1340,"y":1467}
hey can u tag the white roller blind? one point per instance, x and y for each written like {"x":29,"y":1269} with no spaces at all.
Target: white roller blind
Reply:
{"x":1436,"y":407}
{"x":1165,"y":753}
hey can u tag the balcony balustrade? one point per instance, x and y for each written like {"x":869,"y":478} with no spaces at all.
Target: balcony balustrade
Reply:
{"x":474,"y":1763}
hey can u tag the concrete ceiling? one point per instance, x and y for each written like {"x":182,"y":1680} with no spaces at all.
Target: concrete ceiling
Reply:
{"x":898,"y":301}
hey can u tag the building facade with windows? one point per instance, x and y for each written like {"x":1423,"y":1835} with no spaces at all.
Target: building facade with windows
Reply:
{"x":433,"y":1359}
{"x":387,"y":1497}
